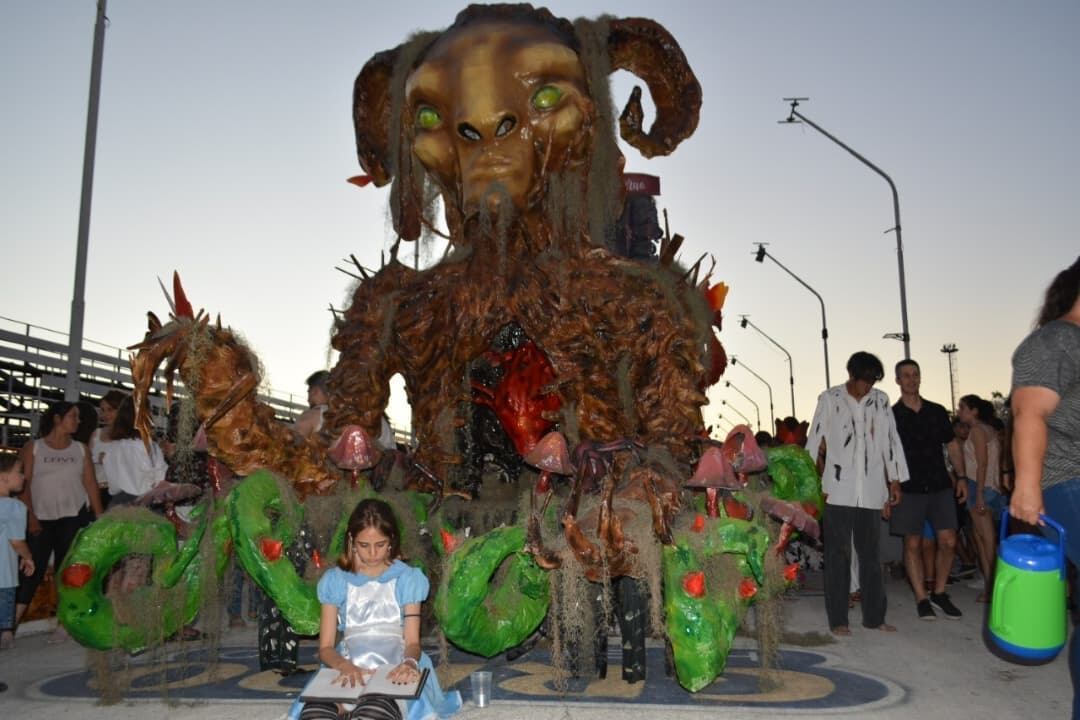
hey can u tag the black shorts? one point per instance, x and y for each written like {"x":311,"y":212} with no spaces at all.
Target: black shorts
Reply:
{"x":916,"y":508}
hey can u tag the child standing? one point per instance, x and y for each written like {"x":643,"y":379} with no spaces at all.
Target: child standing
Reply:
{"x":14,"y":552}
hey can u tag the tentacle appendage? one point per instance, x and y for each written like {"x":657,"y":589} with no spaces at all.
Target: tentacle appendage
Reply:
{"x":90,"y":617}
{"x":484,"y":619}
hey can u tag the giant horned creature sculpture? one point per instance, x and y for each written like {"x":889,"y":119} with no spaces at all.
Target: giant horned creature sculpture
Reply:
{"x":506,"y":116}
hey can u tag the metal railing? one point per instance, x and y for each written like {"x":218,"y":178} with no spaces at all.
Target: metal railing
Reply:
{"x":33,"y":373}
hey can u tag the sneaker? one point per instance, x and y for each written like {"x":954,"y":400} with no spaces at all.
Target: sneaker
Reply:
{"x":925,"y":611}
{"x":942,"y":602}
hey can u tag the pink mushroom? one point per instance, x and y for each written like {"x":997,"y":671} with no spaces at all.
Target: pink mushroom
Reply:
{"x":354,"y":450}
{"x":551,"y":457}
{"x":713,"y":472}
{"x":742,"y":451}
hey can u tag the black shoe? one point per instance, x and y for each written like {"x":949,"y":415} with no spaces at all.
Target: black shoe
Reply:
{"x":925,"y":611}
{"x":942,"y":602}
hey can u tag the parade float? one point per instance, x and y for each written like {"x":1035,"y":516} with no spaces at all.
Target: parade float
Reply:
{"x":561,"y":464}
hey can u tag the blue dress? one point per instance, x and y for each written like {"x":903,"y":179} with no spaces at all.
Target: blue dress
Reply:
{"x":370,"y":618}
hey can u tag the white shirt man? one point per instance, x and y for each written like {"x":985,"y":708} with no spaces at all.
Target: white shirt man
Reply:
{"x":861,"y":461}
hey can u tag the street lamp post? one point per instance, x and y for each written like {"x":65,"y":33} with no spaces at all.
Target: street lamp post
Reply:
{"x":739,"y":412}
{"x":950,"y":350}
{"x":78,"y":304}
{"x":760,"y":256}
{"x":791,"y":368}
{"x":772,"y":415}
{"x":757,"y":409}
{"x":905,"y":334}
{"x":720,"y":418}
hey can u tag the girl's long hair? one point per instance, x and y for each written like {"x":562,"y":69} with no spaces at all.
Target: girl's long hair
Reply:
{"x":371,"y":513}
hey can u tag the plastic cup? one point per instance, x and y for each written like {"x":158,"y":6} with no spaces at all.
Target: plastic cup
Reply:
{"x":481,"y":687}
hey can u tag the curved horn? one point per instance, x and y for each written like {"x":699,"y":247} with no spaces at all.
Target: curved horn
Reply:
{"x":649,"y":51}
{"x":371,"y":115}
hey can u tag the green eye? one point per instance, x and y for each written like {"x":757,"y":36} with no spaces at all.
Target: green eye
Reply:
{"x":428,"y":118}
{"x":546,"y":97}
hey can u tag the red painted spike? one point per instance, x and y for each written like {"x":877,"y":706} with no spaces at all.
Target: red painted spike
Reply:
{"x":449,"y":541}
{"x":271,"y":548}
{"x":183,"y":307}
{"x":791,"y":572}
{"x":359,"y":180}
{"x":76,"y":575}
{"x":693,"y":584}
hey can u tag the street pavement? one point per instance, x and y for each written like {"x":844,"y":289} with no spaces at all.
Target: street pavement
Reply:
{"x":940,"y":669}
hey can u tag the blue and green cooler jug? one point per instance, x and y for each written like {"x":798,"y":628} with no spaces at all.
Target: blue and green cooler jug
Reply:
{"x":1027,"y":610}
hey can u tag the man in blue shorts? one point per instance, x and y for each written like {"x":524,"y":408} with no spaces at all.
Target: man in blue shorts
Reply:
{"x":924,"y":430}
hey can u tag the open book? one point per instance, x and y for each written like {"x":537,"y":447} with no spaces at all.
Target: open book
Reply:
{"x":322,"y":688}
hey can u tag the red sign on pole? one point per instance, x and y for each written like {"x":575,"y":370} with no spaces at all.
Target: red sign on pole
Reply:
{"x":641,"y":184}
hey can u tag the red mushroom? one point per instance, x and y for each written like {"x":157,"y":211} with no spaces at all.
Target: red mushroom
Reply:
{"x":713,"y":472}
{"x":551,"y":457}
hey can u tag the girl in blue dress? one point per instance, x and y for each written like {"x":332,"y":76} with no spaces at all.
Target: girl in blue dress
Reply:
{"x":373,"y":599}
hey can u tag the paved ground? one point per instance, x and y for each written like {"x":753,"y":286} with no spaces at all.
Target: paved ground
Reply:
{"x":939,"y":669}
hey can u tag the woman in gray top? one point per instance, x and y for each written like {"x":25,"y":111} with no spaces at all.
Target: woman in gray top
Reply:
{"x":1046,"y":424}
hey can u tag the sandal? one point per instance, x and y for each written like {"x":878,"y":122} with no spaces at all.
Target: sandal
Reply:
{"x":841,"y":631}
{"x":885,"y":627}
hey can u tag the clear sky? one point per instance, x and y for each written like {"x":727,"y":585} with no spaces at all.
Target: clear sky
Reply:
{"x":225,"y":138}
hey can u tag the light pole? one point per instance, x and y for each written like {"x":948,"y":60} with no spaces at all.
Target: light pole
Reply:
{"x":772,"y":415}
{"x":791,"y":368}
{"x":950,"y":350}
{"x":727,"y":383}
{"x":82,"y":242}
{"x":905,"y":335}
{"x":720,"y":418}
{"x":760,"y":256}
{"x":738,"y":412}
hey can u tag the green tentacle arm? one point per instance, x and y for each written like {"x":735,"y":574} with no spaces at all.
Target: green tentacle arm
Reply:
{"x":264,"y":522}
{"x":484,"y":619}
{"x":86,"y":612}
{"x":703,"y":607}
